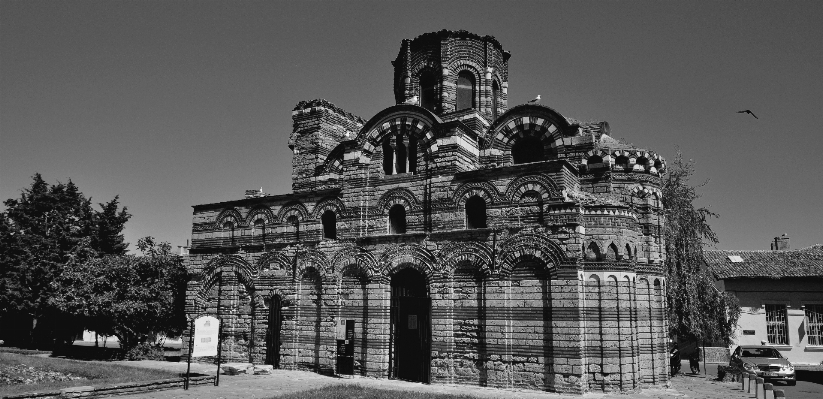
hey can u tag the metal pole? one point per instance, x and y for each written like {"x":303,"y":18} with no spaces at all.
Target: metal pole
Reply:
{"x":704,"y":356}
{"x":191,"y":345}
{"x":219,"y":328}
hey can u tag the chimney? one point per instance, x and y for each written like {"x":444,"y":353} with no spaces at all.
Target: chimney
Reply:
{"x":781,"y":243}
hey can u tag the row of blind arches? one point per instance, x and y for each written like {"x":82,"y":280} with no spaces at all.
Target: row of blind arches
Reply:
{"x":475,"y":219}
{"x":328,"y":220}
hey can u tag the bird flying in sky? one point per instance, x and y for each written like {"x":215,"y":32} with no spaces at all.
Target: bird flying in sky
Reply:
{"x":748,"y":111}
{"x":536,"y":99}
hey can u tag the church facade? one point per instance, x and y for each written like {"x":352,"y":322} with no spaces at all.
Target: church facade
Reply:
{"x":450,"y":238}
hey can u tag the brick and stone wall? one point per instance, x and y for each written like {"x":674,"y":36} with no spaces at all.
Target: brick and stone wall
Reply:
{"x":557,"y":287}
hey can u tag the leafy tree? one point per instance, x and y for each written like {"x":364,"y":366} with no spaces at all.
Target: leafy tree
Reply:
{"x":38,"y":232}
{"x":133,"y":297}
{"x":697,"y":309}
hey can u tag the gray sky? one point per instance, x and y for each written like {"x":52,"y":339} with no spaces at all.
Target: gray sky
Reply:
{"x":176,"y":103}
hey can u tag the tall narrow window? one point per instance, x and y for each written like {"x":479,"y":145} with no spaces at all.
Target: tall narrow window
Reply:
{"x":329,"y":220}
{"x":428,"y":95}
{"x":495,"y":96}
{"x":294,"y":224}
{"x":465,"y":90}
{"x":388,"y":156}
{"x":397,"y":219}
{"x":475,"y":213}
{"x":776,"y":328}
{"x":814,"y":320}
{"x":259,"y":230}
{"x":412,"y":154}
{"x":527,"y":149}
{"x":401,"y":154}
{"x":228,"y":232}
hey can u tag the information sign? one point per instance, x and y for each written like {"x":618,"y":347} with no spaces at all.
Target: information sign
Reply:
{"x":205,"y":336}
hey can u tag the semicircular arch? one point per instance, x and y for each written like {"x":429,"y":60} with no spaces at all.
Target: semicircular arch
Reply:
{"x":211,"y":272}
{"x":397,"y":195}
{"x":229,"y":214}
{"x":530,"y":244}
{"x":485,"y":190}
{"x":399,"y":257}
{"x":478,"y":254}
{"x":542,"y":184}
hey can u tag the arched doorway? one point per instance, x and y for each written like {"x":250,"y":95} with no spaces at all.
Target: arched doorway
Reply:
{"x":411,"y":326}
{"x":273,"y":336}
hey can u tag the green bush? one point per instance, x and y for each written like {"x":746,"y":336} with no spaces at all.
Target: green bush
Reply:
{"x":145,"y":351}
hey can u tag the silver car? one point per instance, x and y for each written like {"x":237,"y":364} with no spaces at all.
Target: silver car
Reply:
{"x":765,"y":361}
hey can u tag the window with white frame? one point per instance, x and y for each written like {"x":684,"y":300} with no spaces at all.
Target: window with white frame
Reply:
{"x":814,"y":323}
{"x":776,"y":326}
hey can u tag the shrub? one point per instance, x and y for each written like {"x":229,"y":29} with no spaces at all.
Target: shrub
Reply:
{"x":145,"y":351}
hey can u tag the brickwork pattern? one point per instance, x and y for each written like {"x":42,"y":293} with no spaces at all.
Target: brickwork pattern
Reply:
{"x":559,"y":288}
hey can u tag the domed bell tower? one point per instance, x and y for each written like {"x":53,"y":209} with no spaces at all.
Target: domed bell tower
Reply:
{"x":449,"y":71}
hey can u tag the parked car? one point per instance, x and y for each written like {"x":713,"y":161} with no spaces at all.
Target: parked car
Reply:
{"x":765,"y":361}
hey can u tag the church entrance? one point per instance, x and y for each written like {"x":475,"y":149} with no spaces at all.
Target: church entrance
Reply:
{"x":411,"y":326}
{"x":273,"y":336}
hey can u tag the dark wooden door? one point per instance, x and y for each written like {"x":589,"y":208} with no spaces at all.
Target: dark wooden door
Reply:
{"x":411,"y":327}
{"x":273,"y":341}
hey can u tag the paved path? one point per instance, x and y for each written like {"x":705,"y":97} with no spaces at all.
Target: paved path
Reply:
{"x":287,"y":381}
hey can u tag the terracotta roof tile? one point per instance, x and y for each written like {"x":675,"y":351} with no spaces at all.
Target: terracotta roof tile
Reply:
{"x":806,"y":262}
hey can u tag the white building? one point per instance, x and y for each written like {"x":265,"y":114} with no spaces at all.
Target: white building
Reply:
{"x":781,"y":296}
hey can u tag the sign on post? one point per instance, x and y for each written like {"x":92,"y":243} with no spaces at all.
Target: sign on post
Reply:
{"x":205,"y":336}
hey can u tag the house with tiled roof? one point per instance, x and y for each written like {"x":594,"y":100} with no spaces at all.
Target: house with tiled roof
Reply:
{"x":781,"y":296}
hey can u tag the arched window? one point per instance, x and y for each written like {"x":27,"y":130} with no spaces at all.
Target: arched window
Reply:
{"x":611,"y":252}
{"x":397,"y":219}
{"x":401,"y":155}
{"x":628,"y":255}
{"x":475,"y":213}
{"x":593,"y":252}
{"x":329,"y":220}
{"x":643,"y":162}
{"x":228,"y":232}
{"x":294,"y":225}
{"x":595,"y":161}
{"x":411,"y":152}
{"x":527,"y":149}
{"x":495,"y":96}
{"x":388,"y":156}
{"x":428,"y":95}
{"x":259,"y":230}
{"x":465,"y":90}
{"x":531,"y":204}
{"x":621,"y":162}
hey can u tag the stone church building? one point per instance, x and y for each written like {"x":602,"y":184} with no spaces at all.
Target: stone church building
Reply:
{"x":451,"y":238}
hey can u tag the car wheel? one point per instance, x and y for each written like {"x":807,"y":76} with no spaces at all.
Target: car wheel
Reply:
{"x":791,"y":383}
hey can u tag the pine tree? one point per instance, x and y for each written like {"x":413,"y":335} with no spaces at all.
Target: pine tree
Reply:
{"x":39,"y":233}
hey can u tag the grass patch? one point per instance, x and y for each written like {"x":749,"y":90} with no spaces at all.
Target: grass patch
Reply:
{"x":93,"y":373}
{"x":347,"y":391}
{"x":23,"y":351}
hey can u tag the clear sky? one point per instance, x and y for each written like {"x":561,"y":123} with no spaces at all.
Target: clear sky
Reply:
{"x":175,"y":103}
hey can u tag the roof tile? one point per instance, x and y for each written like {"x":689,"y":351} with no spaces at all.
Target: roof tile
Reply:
{"x":806,"y":262}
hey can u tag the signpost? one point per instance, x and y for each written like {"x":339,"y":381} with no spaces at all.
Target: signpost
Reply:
{"x":203,"y":339}
{"x":345,"y":346}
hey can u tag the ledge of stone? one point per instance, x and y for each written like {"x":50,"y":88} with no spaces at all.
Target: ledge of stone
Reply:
{"x":119,"y":389}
